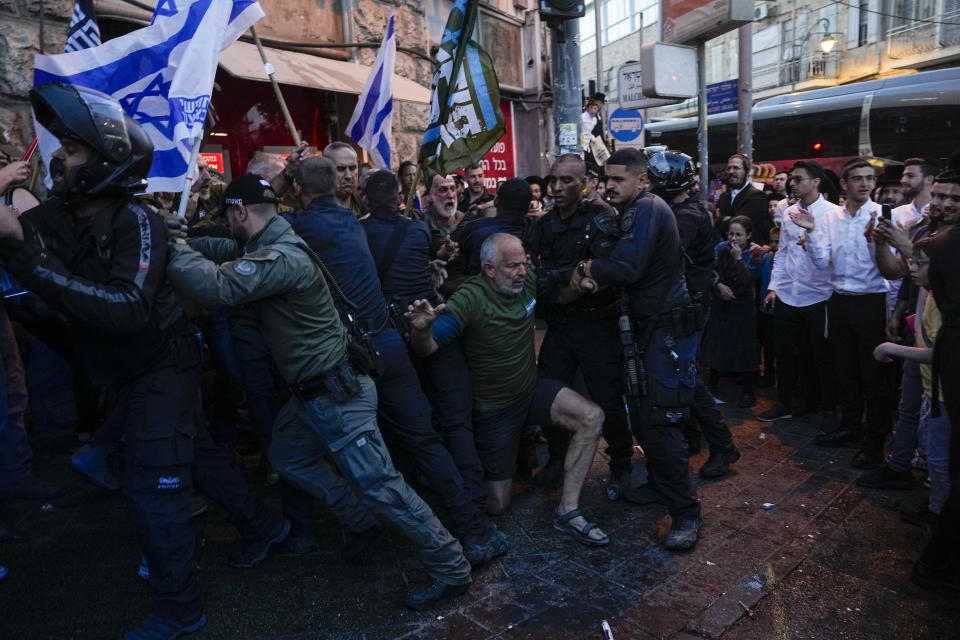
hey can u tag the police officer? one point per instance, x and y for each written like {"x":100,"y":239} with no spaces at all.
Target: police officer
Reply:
{"x":647,"y":262}
{"x":339,"y":240}
{"x":512,"y":203}
{"x":97,"y":257}
{"x":400,"y":247}
{"x":582,"y":330}
{"x":672,"y":175}
{"x":326,"y":438}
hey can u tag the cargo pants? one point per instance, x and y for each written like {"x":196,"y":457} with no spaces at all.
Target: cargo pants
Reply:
{"x":335,"y":452}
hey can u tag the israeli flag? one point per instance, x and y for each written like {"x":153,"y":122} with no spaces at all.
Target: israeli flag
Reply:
{"x":370,"y":125}
{"x":162,"y":75}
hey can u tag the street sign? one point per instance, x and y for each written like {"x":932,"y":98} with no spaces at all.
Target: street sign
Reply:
{"x":671,"y":70}
{"x":722,"y":97}
{"x":686,"y":21}
{"x":630,"y":89}
{"x":625,"y":125}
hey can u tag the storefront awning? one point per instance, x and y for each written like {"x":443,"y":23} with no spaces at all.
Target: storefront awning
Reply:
{"x":242,"y":60}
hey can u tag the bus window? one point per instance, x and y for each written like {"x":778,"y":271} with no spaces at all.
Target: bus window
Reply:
{"x":926,"y":131}
{"x":826,"y":134}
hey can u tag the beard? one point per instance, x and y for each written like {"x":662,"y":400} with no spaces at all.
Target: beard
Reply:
{"x":507,"y":285}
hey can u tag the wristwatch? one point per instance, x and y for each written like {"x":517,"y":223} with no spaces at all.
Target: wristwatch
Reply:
{"x":582,"y":268}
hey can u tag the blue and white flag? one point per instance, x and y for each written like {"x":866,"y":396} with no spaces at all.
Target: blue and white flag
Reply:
{"x":84,"y":32}
{"x":371,"y":124}
{"x":162,"y":75}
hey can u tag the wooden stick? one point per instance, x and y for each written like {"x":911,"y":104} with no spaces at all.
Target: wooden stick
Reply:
{"x":276,"y":87}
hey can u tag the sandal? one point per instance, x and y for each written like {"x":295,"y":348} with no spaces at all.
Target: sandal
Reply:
{"x":562,"y":523}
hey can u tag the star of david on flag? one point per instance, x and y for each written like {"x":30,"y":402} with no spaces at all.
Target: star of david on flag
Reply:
{"x":162,"y":75}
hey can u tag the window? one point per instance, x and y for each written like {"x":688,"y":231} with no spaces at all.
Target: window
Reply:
{"x":897,"y":132}
{"x":588,"y":28}
{"x":863,"y":29}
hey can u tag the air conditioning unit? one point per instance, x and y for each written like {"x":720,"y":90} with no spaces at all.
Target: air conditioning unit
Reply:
{"x":763,"y":10}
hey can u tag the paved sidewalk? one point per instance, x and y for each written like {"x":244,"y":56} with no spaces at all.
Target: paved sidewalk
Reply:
{"x":828,"y":560}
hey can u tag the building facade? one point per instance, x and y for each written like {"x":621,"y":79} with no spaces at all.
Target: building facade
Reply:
{"x":322,"y":52}
{"x":797,"y":44}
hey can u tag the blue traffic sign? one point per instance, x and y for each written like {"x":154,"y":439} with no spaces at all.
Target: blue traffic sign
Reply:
{"x":626,"y":125}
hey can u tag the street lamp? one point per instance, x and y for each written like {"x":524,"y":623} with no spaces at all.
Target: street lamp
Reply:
{"x":826,"y":46}
{"x":828,"y":42}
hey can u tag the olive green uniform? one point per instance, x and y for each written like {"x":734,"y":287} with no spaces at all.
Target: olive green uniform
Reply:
{"x":334,"y":451}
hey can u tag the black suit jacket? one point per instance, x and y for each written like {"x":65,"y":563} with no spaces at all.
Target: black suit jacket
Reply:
{"x":750,"y":202}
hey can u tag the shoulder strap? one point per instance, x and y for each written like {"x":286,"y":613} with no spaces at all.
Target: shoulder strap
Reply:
{"x":340,"y":299}
{"x":385,"y":260}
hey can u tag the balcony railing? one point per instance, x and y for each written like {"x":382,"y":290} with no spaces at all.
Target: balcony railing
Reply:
{"x":916,"y":38}
{"x":812,"y":66}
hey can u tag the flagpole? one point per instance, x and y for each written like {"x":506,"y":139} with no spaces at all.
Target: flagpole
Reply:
{"x":469,"y":21}
{"x":413,"y":191}
{"x":187,"y":180}
{"x":276,"y":87}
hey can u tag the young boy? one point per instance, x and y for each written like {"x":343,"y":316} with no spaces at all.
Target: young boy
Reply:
{"x":934,"y":431}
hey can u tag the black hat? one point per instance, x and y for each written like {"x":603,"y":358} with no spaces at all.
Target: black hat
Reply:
{"x":514,"y":195}
{"x":952,"y":172}
{"x":594,"y":170}
{"x":249,"y":189}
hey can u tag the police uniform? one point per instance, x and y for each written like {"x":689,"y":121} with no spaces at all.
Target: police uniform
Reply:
{"x":325,"y":438}
{"x":339,"y":240}
{"x":698,"y":239}
{"x":583,"y":333}
{"x":647,"y":262}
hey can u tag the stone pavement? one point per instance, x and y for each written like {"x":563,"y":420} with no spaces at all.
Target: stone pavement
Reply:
{"x":829,"y":560}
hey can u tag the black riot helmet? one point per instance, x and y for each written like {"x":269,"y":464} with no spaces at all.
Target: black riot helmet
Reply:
{"x":671,"y":172}
{"x":122,"y":151}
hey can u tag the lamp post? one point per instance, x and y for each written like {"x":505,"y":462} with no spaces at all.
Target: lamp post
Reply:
{"x":826,"y":46}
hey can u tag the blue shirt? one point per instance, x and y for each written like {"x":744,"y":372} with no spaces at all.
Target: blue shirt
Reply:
{"x":470,"y":236}
{"x":335,"y":235}
{"x":409,"y":277}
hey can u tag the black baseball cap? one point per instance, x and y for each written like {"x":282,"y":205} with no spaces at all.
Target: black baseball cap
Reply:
{"x":248,"y":189}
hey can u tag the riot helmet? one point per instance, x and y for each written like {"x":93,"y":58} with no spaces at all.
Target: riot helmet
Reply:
{"x":121,"y":152}
{"x":670,"y":172}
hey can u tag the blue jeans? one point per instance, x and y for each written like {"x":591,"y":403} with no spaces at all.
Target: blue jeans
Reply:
{"x":335,"y":452}
{"x":404,"y":409}
{"x":905,"y":438}
{"x":935,"y":443}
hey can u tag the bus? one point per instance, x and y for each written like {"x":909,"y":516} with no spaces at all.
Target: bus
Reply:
{"x":888,"y":120}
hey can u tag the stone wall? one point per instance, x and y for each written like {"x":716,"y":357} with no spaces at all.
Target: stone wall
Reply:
{"x":369,"y":21}
{"x":20,"y":26}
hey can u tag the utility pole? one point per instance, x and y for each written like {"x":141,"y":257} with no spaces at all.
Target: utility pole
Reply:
{"x":745,"y":92}
{"x":598,"y":30}
{"x":565,"y":70}
{"x":702,"y":119}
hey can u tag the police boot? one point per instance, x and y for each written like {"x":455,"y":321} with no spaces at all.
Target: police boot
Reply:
{"x":719,"y":463}
{"x":254,"y":551}
{"x":480,"y":550}
{"x":154,"y":627}
{"x":683,"y":534}
{"x":434,"y":593}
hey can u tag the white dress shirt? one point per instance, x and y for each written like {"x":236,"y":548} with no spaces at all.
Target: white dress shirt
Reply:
{"x":838,"y":241}
{"x":905,"y":216}
{"x":779,"y":214}
{"x":796,"y":279}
